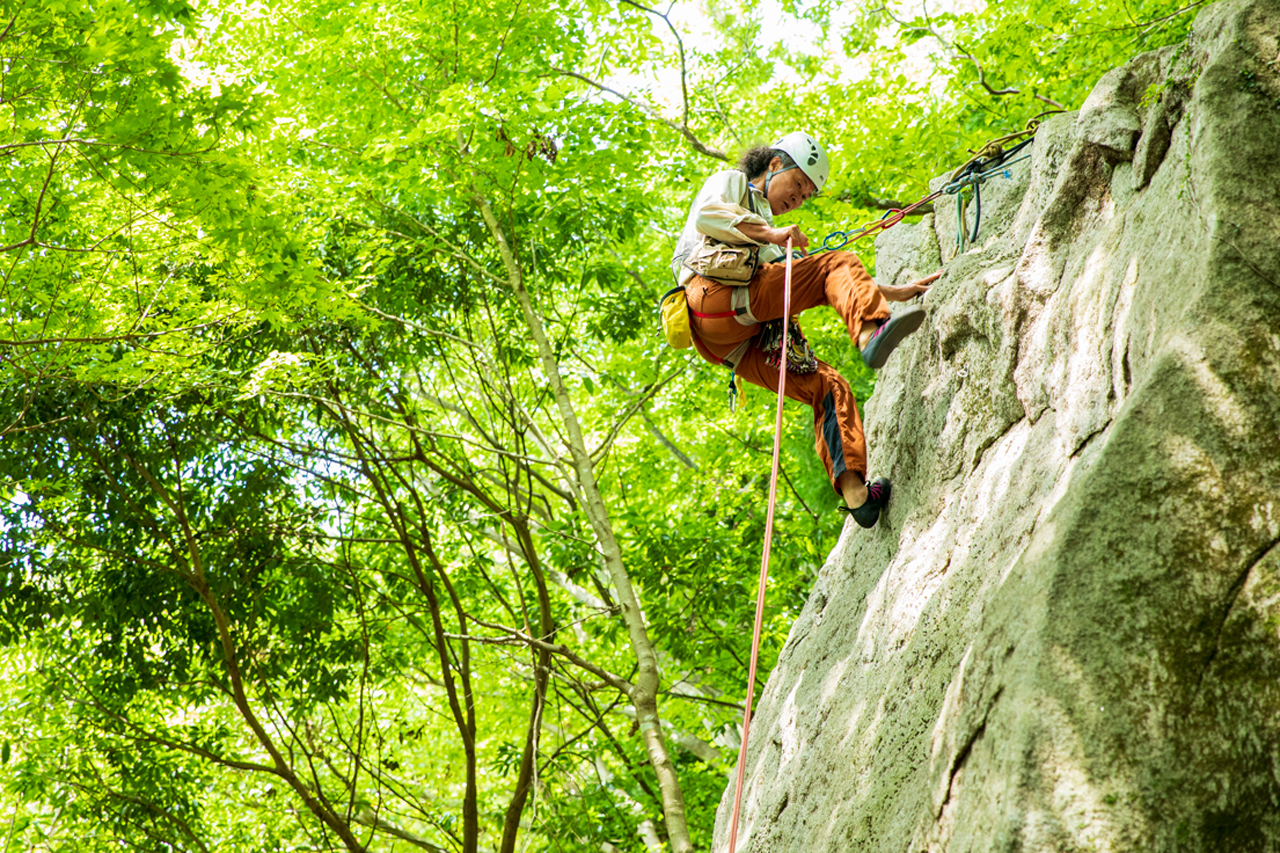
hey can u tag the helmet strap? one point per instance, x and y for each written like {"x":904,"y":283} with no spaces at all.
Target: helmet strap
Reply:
{"x":769,"y":177}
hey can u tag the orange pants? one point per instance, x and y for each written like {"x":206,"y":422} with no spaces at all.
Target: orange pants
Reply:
{"x":837,"y":279}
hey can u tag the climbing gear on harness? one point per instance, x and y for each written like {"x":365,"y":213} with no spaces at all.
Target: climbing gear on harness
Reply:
{"x":800,"y":356}
{"x":679,"y":334}
{"x":877,"y":499}
{"x":808,"y":155}
{"x":885,"y":339}
{"x":764,"y":569}
{"x":736,"y":394}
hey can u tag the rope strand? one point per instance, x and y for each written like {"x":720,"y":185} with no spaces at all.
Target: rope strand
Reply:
{"x":764,"y":561}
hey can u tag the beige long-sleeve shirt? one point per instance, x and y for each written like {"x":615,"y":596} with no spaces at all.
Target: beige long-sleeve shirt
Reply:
{"x":717,"y":212}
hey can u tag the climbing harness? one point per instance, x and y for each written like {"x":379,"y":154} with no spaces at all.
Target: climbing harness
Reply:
{"x":674,"y":310}
{"x":764,"y":566}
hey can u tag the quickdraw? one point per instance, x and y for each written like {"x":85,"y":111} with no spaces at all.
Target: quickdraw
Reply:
{"x":974,"y":174}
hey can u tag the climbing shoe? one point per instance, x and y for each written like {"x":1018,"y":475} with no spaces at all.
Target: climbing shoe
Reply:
{"x":891,"y":332}
{"x":877,"y":498}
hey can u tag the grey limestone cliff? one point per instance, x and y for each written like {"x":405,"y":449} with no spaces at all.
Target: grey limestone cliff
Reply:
{"x":1064,"y":635}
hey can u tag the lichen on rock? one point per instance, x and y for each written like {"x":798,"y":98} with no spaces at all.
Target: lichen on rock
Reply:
{"x":1064,"y":635}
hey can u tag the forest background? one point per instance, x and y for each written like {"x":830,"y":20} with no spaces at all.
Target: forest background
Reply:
{"x":349,"y":496}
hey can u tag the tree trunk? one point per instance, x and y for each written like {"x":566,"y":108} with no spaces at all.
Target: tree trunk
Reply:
{"x":541,"y":676}
{"x":644,"y":693}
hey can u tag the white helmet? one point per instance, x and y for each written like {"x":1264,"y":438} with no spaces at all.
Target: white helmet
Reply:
{"x":808,"y":154}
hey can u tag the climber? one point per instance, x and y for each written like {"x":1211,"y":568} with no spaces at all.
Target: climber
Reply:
{"x":740,"y":326}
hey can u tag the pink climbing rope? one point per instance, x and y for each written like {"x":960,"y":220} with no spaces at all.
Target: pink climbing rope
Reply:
{"x":764,"y":561}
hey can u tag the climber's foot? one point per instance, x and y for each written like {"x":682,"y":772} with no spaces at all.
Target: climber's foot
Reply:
{"x":891,"y":332}
{"x":877,"y":498}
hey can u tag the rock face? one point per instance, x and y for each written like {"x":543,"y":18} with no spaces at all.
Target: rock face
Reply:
{"x":1064,"y":634}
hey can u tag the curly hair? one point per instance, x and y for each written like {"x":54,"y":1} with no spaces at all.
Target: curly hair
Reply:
{"x":756,"y":161}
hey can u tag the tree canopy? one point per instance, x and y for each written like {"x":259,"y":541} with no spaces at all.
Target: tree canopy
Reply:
{"x":349,"y":496}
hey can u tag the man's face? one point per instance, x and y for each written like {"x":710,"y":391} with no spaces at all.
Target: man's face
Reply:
{"x":789,"y":190}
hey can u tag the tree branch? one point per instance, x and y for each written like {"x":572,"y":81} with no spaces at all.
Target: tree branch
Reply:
{"x":173,"y":499}
{"x":366,"y":817}
{"x":698,"y":145}
{"x":960,"y":53}
{"x":636,"y":406}
{"x":684,"y":71}
{"x":515,"y":637}
{"x":1145,"y":25}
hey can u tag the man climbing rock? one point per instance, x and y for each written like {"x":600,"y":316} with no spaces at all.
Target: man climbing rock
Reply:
{"x":738,"y":323}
